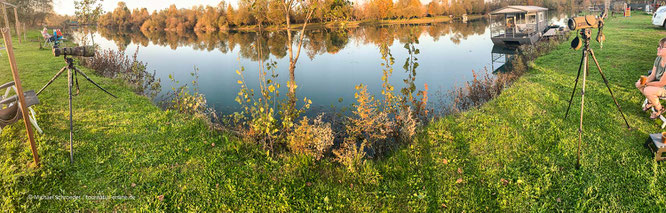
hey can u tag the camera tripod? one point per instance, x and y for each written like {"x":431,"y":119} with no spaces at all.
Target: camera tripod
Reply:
{"x":72,"y":79}
{"x":584,"y":63}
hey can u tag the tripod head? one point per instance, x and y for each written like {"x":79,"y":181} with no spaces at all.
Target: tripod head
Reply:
{"x":70,"y":61}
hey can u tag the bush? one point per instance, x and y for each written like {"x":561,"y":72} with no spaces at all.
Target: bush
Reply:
{"x":181,"y":99}
{"x":115,"y":64}
{"x":311,"y":139}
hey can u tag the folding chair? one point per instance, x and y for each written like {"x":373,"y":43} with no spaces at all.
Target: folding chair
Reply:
{"x":47,"y":37}
{"x":11,"y":112}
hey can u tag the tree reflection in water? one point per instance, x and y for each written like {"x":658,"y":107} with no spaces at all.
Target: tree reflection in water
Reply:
{"x":317,"y":41}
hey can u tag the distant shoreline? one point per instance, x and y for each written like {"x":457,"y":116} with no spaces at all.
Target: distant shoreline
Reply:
{"x":337,"y":25}
{"x":347,"y":24}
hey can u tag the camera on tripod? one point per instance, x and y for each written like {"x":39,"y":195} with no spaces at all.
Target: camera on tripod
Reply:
{"x":586,"y":22}
{"x":83,"y":51}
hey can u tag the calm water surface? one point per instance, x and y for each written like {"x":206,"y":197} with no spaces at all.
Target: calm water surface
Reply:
{"x":331,"y":64}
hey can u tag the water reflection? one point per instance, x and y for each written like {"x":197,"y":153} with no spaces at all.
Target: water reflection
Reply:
{"x":317,"y":41}
{"x":500,"y":57}
{"x":333,"y":61}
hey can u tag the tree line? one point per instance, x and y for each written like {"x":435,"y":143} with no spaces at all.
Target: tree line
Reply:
{"x":258,"y":13}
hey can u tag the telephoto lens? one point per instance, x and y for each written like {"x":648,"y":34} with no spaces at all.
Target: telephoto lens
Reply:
{"x":583,"y":22}
{"x":83,"y":51}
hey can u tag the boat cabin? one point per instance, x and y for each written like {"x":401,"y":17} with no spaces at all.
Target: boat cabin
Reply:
{"x":518,"y":25}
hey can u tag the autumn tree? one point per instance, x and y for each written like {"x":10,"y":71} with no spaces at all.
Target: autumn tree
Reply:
{"x":33,"y":11}
{"x":289,"y":6}
{"x":275,"y":13}
{"x":208,"y":22}
{"x":379,"y":9}
{"x":258,"y":11}
{"x":172,"y":20}
{"x":336,"y":10}
{"x":434,"y":8}
{"x":457,"y":8}
{"x":139,"y":16}
{"x":244,"y":13}
{"x":410,"y":8}
{"x":231,"y":16}
{"x":87,"y":11}
{"x":122,"y":16}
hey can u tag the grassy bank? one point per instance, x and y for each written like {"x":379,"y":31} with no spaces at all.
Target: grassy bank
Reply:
{"x":516,"y":153}
{"x":519,"y":152}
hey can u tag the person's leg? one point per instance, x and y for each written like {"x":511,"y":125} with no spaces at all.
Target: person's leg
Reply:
{"x":652,"y":94}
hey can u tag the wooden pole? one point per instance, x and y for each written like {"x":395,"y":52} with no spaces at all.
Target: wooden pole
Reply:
{"x":19,"y":89}
{"x":23,"y":31}
{"x":4,"y":13}
{"x":17,"y":23}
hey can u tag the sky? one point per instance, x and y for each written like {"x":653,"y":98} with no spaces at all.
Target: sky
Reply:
{"x":67,"y":6}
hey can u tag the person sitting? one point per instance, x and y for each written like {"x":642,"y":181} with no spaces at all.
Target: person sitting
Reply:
{"x":655,"y":85}
{"x":45,"y":33}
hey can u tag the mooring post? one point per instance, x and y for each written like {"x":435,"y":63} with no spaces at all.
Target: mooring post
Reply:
{"x":4,"y":13}
{"x":17,"y":23}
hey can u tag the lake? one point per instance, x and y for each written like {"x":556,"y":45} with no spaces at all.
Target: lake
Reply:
{"x":332,"y":61}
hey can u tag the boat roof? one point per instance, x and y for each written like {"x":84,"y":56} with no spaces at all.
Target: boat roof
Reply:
{"x":518,"y":9}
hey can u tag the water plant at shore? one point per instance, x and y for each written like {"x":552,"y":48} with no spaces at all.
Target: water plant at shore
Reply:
{"x":186,"y":98}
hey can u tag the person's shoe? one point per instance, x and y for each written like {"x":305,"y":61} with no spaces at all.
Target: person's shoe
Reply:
{"x":647,"y":107}
{"x":657,"y":113}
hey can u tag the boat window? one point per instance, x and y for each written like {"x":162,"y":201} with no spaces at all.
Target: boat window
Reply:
{"x":541,"y":17}
{"x":531,"y":19}
{"x":520,"y":18}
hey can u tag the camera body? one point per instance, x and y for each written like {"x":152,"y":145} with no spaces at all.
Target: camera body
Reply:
{"x":83,"y":51}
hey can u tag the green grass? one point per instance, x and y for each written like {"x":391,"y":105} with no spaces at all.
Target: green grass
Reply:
{"x":516,"y":153}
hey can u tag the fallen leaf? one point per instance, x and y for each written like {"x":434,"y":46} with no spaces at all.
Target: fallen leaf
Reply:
{"x":460,"y":170}
{"x":504,"y":181}
{"x":133,"y":184}
{"x":443,"y":205}
{"x":460,"y":180}
{"x":212,"y":144}
{"x":559,"y":200}
{"x":445,"y":161}
{"x":308,"y":183}
{"x":161,"y":197}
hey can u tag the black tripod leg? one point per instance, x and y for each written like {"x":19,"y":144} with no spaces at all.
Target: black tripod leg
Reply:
{"x":52,"y":79}
{"x":582,"y":106}
{"x":93,"y":82}
{"x":71,"y":123}
{"x":575,"y":85}
{"x":76,"y":79}
{"x":609,"y":89}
